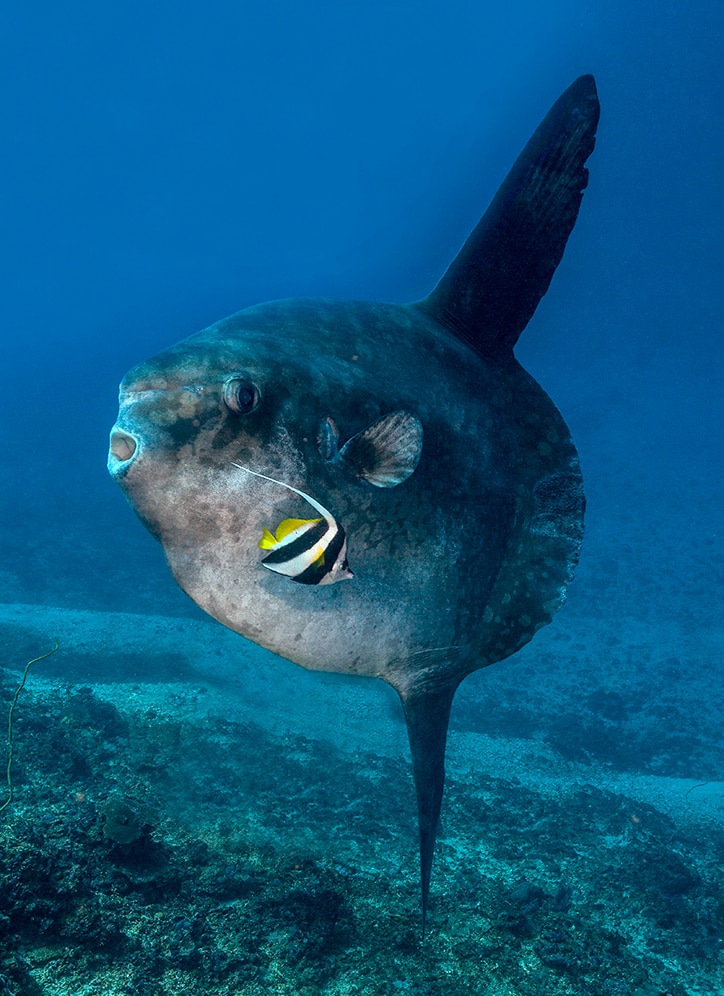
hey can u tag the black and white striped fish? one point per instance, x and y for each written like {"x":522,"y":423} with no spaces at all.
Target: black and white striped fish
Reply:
{"x":309,"y":551}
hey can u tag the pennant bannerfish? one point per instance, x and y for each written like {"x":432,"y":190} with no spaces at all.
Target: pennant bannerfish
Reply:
{"x":309,"y":551}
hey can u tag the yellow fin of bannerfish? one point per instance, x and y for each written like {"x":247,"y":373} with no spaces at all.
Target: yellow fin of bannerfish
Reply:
{"x":287,"y":526}
{"x":267,"y":541}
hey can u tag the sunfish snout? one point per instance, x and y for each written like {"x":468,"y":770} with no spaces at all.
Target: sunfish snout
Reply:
{"x":123,"y":448}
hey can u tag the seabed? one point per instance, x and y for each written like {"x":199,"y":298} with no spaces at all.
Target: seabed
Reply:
{"x":194,"y":816}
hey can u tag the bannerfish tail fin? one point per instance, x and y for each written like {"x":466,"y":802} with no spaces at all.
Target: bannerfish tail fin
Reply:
{"x":268,"y":540}
{"x":493,"y":286}
{"x":427,"y":714}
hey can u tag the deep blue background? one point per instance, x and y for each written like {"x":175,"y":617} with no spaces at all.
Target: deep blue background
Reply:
{"x":168,"y":163}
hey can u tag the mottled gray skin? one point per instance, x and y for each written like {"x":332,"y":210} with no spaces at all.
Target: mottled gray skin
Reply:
{"x":456,"y":567}
{"x":428,"y":555}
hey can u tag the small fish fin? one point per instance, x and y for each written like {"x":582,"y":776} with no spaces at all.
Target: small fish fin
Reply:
{"x":288,"y":526}
{"x":267,"y":541}
{"x":327,"y":439}
{"x":387,"y":452}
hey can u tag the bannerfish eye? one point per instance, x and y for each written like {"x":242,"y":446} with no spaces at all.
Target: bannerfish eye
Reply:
{"x":240,"y":395}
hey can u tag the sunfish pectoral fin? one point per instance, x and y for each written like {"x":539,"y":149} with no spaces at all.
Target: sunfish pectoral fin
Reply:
{"x":386,"y":453}
{"x":427,"y":713}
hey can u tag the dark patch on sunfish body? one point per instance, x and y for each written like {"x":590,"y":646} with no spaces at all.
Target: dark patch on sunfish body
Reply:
{"x":458,"y":482}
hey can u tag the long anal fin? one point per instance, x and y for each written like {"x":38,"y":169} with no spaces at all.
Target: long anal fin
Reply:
{"x":427,"y":714}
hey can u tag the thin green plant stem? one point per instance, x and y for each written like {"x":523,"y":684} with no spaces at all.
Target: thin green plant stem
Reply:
{"x":18,"y":690}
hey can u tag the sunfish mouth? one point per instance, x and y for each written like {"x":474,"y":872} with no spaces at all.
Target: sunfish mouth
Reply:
{"x":123,"y":449}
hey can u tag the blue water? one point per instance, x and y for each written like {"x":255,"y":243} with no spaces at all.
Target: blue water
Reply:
{"x":167,"y":164}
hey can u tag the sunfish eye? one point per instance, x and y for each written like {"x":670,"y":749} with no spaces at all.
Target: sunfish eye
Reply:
{"x":240,"y":395}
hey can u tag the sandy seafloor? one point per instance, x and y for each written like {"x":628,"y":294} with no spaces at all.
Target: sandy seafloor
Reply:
{"x":194,"y":815}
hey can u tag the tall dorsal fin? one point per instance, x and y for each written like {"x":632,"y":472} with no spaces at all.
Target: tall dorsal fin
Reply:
{"x":493,"y":286}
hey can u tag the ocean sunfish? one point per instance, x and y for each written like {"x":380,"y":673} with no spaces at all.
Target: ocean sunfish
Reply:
{"x":452,"y":475}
